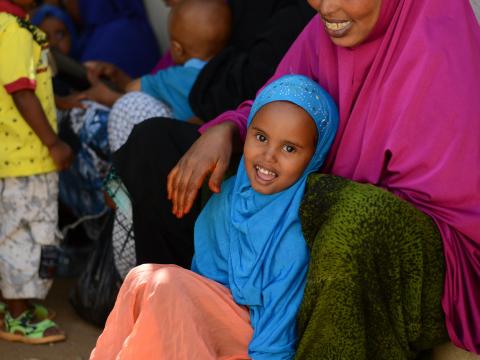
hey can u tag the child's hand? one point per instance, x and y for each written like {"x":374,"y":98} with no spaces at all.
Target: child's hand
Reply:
{"x":61,"y":154}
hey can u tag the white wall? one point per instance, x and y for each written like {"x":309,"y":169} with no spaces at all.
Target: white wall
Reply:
{"x":157,"y":13}
{"x":476,"y":8}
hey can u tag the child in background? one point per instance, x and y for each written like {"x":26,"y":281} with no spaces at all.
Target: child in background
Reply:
{"x":59,"y":28}
{"x":30,"y":155}
{"x":249,"y":271}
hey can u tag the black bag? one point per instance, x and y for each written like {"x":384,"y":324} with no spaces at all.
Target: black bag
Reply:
{"x":96,"y":290}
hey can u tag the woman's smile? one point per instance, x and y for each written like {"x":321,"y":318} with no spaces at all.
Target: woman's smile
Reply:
{"x":337,"y":28}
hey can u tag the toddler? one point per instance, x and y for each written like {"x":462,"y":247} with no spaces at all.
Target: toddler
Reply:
{"x":30,"y":155}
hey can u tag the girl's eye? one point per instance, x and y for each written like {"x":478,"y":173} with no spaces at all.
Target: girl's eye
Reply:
{"x":289,"y":148}
{"x":261,"y":137}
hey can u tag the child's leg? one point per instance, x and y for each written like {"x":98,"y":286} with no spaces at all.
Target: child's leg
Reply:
{"x":29,"y":215}
{"x":28,"y":209}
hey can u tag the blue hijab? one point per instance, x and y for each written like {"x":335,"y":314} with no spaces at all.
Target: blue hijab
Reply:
{"x":45,"y":11}
{"x":253,"y":243}
{"x":119,"y":32}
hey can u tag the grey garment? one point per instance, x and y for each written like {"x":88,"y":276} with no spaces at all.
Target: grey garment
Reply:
{"x":29,"y":215}
{"x":130,"y":110}
{"x":123,"y":242}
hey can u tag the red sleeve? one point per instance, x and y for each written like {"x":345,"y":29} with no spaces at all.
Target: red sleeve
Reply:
{"x":20,"y":84}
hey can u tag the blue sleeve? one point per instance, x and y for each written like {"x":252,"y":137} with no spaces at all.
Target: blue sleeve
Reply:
{"x":172,"y":86}
{"x":274,"y":323}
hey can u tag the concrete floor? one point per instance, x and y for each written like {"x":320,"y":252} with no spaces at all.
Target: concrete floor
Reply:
{"x":81,"y":336}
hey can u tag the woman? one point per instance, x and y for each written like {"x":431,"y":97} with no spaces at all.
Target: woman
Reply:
{"x":405,"y":76}
{"x":113,"y":30}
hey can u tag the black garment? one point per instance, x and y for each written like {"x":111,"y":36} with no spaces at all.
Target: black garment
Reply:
{"x":143,"y":163}
{"x":262,"y":33}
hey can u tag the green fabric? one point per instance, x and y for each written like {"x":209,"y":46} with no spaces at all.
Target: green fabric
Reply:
{"x":375,"y":278}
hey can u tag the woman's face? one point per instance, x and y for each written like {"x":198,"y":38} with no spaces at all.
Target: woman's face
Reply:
{"x":57,"y":34}
{"x":348,"y":22}
{"x":279,"y":145}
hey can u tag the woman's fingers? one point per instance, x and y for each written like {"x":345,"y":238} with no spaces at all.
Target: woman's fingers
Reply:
{"x":209,"y":154}
{"x":218,"y":174}
{"x":188,"y":188}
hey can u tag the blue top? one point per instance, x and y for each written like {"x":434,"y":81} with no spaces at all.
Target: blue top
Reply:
{"x":119,"y":32}
{"x":173,"y":85}
{"x":253,"y":243}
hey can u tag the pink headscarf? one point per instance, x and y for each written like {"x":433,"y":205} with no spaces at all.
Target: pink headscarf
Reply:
{"x":409,"y":101}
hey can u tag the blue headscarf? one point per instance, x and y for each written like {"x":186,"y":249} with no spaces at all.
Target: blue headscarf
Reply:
{"x":253,"y":243}
{"x":45,"y":11}
{"x":119,"y":32}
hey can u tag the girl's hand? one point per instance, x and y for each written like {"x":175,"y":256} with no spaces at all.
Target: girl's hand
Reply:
{"x":61,"y":154}
{"x":210,"y":154}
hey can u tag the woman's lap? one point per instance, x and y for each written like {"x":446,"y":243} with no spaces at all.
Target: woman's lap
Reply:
{"x":143,"y":163}
{"x":376,"y":276}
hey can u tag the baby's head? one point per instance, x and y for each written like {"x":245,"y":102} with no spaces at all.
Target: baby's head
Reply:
{"x":198,"y":29}
{"x":291,"y":128}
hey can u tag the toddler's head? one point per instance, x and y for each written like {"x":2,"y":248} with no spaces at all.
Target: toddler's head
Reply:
{"x":291,"y":128}
{"x":198,"y":29}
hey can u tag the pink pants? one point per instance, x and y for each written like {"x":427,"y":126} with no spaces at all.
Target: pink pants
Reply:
{"x":167,"y":312}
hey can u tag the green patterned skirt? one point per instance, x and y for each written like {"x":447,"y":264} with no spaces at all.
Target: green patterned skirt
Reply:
{"x":375,"y":279}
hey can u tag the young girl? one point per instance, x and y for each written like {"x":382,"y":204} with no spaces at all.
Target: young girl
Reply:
{"x":249,"y":270}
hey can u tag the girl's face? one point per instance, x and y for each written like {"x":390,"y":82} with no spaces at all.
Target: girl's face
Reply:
{"x":57,"y":34}
{"x":348,"y":22}
{"x":280,"y":142}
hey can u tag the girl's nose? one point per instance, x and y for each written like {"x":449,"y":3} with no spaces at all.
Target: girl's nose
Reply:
{"x":270,"y":154}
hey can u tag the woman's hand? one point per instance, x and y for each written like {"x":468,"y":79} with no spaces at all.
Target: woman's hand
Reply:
{"x":210,"y":154}
{"x":99,"y":69}
{"x":70,"y":101}
{"x":102,"y":94}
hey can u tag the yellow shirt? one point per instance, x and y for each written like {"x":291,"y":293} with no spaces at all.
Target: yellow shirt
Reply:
{"x":23,"y":65}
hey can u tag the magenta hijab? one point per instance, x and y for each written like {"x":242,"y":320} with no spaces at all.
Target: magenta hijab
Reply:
{"x":409,"y":102}
{"x":409,"y":105}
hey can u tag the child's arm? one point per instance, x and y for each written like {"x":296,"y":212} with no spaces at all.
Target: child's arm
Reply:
{"x":31,"y":110}
{"x":134,"y":85}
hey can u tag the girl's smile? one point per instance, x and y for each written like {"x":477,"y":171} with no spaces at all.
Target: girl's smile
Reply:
{"x":280,"y":143}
